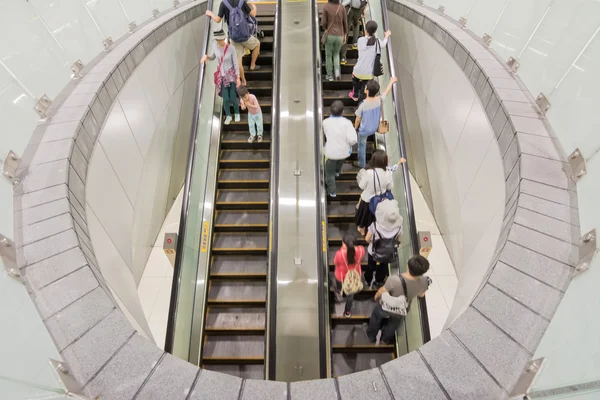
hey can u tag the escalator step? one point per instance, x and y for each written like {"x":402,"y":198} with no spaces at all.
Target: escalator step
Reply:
{"x":231,"y":264}
{"x":350,"y":336}
{"x":249,"y":371}
{"x":343,"y":364}
{"x":234,"y":349}
{"x":234,"y":292}
{"x":341,"y":209}
{"x":241,"y":242}
{"x":242,"y":218}
{"x":242,"y":136}
{"x":232,"y":199}
{"x":348,"y":187}
{"x":244,"y":175}
{"x":221,"y":318}
{"x":361,"y":308}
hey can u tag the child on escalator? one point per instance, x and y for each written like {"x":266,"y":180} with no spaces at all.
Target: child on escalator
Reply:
{"x":255,"y":117}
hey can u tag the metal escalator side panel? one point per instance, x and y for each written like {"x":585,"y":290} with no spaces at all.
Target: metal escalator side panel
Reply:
{"x":271,"y":311}
{"x":183,"y":289}
{"x":396,"y":142}
{"x":324,"y":306}
{"x":298,"y":336}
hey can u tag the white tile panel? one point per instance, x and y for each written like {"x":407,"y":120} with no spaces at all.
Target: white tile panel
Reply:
{"x":122,"y":151}
{"x":138,"y":113}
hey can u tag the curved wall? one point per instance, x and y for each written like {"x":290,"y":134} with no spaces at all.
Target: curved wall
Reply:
{"x":454,"y":155}
{"x":138,"y":165}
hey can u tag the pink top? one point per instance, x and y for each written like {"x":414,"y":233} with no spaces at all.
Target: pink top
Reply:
{"x":252,"y":106}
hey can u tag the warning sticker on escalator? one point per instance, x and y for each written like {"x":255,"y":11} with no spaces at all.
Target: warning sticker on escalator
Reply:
{"x":204,"y":242}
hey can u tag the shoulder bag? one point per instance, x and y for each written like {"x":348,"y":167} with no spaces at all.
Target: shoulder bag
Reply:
{"x":218,"y":77}
{"x":384,"y":126}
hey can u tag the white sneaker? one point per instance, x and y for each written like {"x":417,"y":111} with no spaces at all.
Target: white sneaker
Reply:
{"x":260,"y":139}
{"x":251,"y":139}
{"x":237,"y":117}
{"x":227,"y":120}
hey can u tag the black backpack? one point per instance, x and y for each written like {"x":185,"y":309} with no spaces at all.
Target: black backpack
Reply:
{"x":385,"y":249}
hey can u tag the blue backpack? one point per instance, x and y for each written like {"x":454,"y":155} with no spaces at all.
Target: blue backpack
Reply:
{"x":378,"y":198}
{"x":237,"y":26}
{"x":369,"y":122}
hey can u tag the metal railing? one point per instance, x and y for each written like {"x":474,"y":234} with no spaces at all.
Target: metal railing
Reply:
{"x":173,"y":303}
{"x":271,"y":323}
{"x":324,"y":329}
{"x":414,"y":234}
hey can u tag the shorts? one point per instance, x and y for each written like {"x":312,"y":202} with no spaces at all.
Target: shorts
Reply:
{"x":249,"y":44}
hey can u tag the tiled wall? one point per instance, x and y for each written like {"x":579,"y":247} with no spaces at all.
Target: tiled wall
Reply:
{"x":138,"y":164}
{"x":39,"y":41}
{"x":454,"y":154}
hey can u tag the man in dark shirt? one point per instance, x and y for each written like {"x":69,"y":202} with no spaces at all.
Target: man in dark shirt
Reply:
{"x":252,"y":44}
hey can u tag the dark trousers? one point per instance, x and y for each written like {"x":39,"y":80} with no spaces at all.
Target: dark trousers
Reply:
{"x":332,"y":168}
{"x":388,"y":324}
{"x":230,"y":99}
{"x":358,"y":86}
{"x":354,"y":16}
{"x":337,"y":286}
{"x":381,"y":271}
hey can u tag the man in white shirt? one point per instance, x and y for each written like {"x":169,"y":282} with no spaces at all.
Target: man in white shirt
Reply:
{"x":340,"y":136}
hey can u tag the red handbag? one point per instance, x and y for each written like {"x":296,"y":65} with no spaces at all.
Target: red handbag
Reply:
{"x":218,"y":78}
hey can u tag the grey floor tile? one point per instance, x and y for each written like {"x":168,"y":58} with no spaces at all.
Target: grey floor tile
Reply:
{"x":216,"y":386}
{"x":536,"y":295}
{"x":122,"y":377}
{"x":545,"y":269}
{"x":409,"y":378}
{"x":539,"y":146}
{"x":553,"y":248}
{"x":365,"y":385}
{"x":72,"y":322}
{"x":48,"y":247}
{"x":319,"y":389}
{"x":44,"y":176}
{"x":499,"y":354}
{"x":44,"y":211}
{"x":65,"y":291}
{"x":460,"y":374}
{"x":264,"y":390}
{"x":51,"y":269}
{"x":556,"y":195}
{"x":40,"y":197}
{"x":550,"y":226}
{"x":551,"y":209}
{"x":549,"y":172}
{"x":49,"y":227}
{"x":522,"y":324}
{"x":88,"y":354}
{"x":172,"y":379}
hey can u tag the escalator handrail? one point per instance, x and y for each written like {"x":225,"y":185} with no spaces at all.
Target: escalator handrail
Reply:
{"x":271,"y":324}
{"x":323,"y":267}
{"x":414,"y":235}
{"x":173,"y":302}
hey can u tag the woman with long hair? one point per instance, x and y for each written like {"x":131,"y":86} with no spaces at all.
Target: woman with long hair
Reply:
{"x":376,"y":179}
{"x":347,"y":259}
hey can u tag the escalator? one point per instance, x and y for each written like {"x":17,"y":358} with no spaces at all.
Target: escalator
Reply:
{"x":235,"y":316}
{"x":351,"y":349}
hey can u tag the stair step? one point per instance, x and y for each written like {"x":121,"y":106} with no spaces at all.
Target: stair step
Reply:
{"x":341,"y":209}
{"x":235,"y":319}
{"x":236,"y":199}
{"x":344,"y":364}
{"x":245,"y":371}
{"x":242,"y":291}
{"x":242,"y":218}
{"x":242,"y":242}
{"x":231,"y":264}
{"x":234,"y":347}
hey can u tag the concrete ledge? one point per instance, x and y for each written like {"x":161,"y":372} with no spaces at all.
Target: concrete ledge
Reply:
{"x":478,"y":357}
